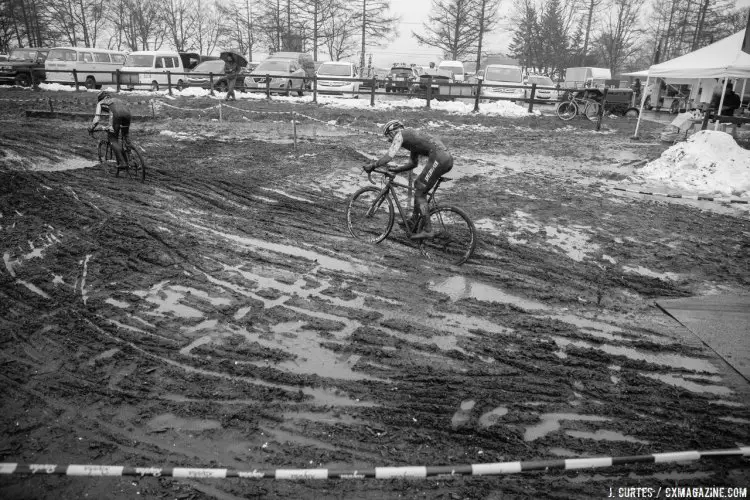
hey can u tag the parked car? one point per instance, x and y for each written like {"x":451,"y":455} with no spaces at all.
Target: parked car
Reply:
{"x":21,"y":64}
{"x":285,"y":76}
{"x":541,"y":93}
{"x":457,"y":67}
{"x":401,"y":78}
{"x":303,"y":60}
{"x":93,"y":67}
{"x":3,"y":57}
{"x":150,"y":68}
{"x":440,"y":79}
{"x":200,"y":76}
{"x":341,"y":76}
{"x":503,"y":74}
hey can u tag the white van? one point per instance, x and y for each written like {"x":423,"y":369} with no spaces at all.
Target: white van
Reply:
{"x":503,"y":74}
{"x":457,"y":67}
{"x":150,"y":68}
{"x":94,"y":67}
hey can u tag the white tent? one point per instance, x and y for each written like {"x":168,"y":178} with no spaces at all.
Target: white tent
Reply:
{"x":723,"y":59}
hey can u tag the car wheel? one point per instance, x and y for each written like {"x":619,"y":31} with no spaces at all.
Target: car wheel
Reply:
{"x":647,"y":103}
{"x":154,"y":86}
{"x":675,"y":107}
{"x":222,"y":86}
{"x":180,"y":85}
{"x":288,"y":88}
{"x":23,"y":80}
{"x":90,"y":83}
{"x":631,"y":113}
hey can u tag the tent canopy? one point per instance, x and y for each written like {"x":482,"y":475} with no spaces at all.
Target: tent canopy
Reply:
{"x":639,"y":74}
{"x":724,"y":58}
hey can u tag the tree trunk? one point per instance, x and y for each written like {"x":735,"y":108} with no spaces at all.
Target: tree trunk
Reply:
{"x":364,"y":21}
{"x":481,"y":36}
{"x":588,"y":32}
{"x":699,"y":26}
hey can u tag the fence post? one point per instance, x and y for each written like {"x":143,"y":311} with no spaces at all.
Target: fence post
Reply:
{"x":49,"y":101}
{"x":268,"y":87}
{"x":429,"y":91}
{"x":294,"y":123}
{"x":220,"y":117}
{"x":169,"y":82}
{"x":531,"y":98}
{"x":315,"y":89}
{"x":117,"y":76}
{"x":75,"y":78}
{"x":479,"y":93}
{"x":211,"y":84}
{"x":601,"y":110}
{"x":372,"y":91}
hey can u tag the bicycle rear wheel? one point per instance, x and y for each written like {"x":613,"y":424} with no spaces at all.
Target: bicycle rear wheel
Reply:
{"x":136,"y":165}
{"x":456,"y":237}
{"x":592,"y":110}
{"x":369,"y":216}
{"x":566,"y":110}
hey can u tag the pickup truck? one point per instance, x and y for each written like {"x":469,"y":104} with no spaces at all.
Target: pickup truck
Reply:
{"x":21,"y":65}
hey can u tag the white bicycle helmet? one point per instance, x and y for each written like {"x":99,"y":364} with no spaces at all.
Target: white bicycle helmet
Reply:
{"x":391,"y":127}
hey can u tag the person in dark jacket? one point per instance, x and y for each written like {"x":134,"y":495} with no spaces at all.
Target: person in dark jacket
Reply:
{"x":439,"y":162}
{"x":231,"y":69}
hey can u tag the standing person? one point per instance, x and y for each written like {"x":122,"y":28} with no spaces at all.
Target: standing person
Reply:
{"x":119,"y":121}
{"x":439,"y":162}
{"x":231,"y":69}
{"x":637,"y":91}
{"x":732,"y":101}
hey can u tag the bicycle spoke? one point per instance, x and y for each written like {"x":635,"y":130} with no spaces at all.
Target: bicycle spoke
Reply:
{"x":369,"y":217}
{"x":455,"y":240}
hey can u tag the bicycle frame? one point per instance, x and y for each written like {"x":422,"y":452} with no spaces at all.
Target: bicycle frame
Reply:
{"x":390,"y":189}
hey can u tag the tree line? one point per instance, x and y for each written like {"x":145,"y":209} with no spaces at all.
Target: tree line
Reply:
{"x":547,"y":35}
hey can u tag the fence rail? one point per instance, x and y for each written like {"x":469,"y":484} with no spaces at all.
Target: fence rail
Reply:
{"x":427,"y":88}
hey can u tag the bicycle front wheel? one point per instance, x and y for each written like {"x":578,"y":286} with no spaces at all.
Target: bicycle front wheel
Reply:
{"x":566,"y":110}
{"x":456,"y":237}
{"x":107,"y":157}
{"x":136,"y":165}
{"x":370,"y":215}
{"x":592,"y":110}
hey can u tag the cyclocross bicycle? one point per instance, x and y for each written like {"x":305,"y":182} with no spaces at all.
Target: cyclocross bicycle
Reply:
{"x":568,"y":109}
{"x":370,"y":216}
{"x":135,"y":167}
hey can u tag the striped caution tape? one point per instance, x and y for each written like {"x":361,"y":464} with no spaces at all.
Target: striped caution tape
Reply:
{"x":491,"y":469}
{"x":687,"y":197}
{"x":162,"y":103}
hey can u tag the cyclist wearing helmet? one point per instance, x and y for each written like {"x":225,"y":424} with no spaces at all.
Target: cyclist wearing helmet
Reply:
{"x":439,"y":162}
{"x":119,"y":121}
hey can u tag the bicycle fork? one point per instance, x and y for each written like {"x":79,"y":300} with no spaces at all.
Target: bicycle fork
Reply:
{"x":378,"y":202}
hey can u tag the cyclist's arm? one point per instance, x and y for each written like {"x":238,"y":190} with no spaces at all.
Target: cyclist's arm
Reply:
{"x":413,"y":162}
{"x":97,"y":114}
{"x":391,"y":153}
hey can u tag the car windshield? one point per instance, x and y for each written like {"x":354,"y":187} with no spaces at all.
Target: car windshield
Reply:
{"x":503,"y":74}
{"x":458,"y":69}
{"x":272,"y":66}
{"x":22,"y":55}
{"x":61,"y":55}
{"x":335,"y":70}
{"x":209,"y":67}
{"x":401,"y":72}
{"x":542,"y":80}
{"x":139,"y":61}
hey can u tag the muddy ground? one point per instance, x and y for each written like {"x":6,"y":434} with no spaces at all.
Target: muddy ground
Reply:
{"x":220,"y":315}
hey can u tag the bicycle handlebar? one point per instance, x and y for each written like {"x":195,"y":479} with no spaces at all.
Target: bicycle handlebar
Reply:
{"x":379,"y":170}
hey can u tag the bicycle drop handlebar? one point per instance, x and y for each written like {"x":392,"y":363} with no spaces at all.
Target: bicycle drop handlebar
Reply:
{"x":379,"y":170}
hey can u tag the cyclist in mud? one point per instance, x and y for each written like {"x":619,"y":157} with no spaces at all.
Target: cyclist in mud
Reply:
{"x":439,"y":162}
{"x":119,"y":120}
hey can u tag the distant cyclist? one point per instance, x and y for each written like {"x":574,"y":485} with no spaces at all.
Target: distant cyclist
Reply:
{"x":119,"y":121}
{"x":439,"y":162}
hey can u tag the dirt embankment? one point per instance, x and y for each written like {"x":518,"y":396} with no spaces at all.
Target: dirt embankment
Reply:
{"x":220,"y":315}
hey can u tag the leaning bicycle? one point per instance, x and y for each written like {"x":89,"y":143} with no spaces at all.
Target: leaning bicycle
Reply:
{"x":135,"y":167}
{"x":370,"y":215}
{"x":577,"y":105}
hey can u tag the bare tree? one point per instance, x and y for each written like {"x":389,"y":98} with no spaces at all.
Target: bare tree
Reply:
{"x":485,"y":20}
{"x":591,"y":6}
{"x":375,"y":23}
{"x":339,"y":32}
{"x":209,"y":27}
{"x":619,"y":37}
{"x":180,"y":21}
{"x":450,"y":27}
{"x":315,"y":14}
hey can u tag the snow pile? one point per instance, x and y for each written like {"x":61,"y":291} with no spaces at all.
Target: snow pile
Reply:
{"x":709,"y":162}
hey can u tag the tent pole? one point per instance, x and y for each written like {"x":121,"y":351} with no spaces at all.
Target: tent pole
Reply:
{"x":721,"y":102}
{"x":742,"y":96}
{"x":640,"y":112}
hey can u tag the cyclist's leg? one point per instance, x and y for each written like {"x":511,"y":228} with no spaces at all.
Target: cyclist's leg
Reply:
{"x":114,"y":140}
{"x":125,"y":134}
{"x":438,"y":163}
